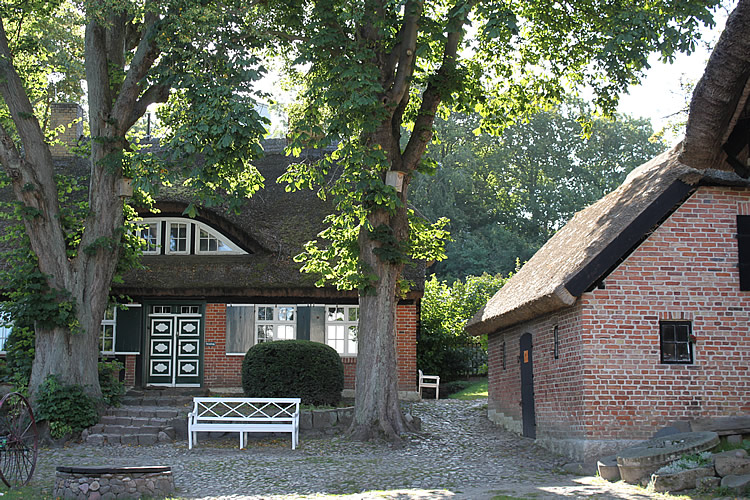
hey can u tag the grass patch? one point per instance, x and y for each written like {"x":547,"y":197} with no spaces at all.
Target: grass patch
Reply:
{"x":476,"y":390}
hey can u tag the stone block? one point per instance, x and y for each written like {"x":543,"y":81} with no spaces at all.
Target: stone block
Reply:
{"x":732,"y":464}
{"x":129,"y":439}
{"x":147,"y":439}
{"x":707,"y":483}
{"x":162,"y":437}
{"x":306,"y":420}
{"x":579,"y":469}
{"x":682,"y":480}
{"x":734,"y":439}
{"x":95,"y":439}
{"x":607,"y":467}
{"x":112,"y":438}
{"x":739,"y":485}
{"x":323,"y":419}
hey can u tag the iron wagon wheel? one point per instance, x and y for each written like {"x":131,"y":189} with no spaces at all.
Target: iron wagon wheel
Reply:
{"x":19,"y":440}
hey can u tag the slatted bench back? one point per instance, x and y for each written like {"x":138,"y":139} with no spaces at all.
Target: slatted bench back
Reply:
{"x":245,"y":409}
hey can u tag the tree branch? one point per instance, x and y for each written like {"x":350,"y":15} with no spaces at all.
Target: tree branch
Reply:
{"x":433,"y":94}
{"x":154,"y":94}
{"x":407,"y":49}
{"x":21,"y":111}
{"x":143,"y":60}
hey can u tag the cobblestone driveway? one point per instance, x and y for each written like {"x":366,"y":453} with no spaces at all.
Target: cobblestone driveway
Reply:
{"x":460,"y":455}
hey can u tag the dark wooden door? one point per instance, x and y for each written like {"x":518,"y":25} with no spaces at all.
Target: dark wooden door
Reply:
{"x":527,"y":387}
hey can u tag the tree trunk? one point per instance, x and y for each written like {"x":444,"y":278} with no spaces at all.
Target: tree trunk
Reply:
{"x":377,"y":413}
{"x":67,"y":355}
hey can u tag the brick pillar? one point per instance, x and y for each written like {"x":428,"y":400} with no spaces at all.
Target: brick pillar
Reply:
{"x":219,"y":370}
{"x":70,"y":116}
{"x":406,"y":346}
{"x":130,"y":370}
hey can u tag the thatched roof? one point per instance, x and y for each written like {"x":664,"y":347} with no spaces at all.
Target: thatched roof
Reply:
{"x":272,"y":226}
{"x":596,"y":240}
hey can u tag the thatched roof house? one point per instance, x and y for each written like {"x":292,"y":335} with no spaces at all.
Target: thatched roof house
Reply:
{"x":641,"y":291}
{"x":230,"y":280}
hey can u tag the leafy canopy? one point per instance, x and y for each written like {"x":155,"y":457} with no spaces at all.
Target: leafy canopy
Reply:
{"x":374,"y":70}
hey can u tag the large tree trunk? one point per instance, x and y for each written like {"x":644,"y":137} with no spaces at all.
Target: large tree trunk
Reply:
{"x":377,"y":413}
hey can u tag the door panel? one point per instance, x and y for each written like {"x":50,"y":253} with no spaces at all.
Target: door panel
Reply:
{"x":174,"y":348}
{"x":528,"y":413}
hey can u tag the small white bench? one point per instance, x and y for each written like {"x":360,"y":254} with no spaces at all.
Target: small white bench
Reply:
{"x":428,"y":381}
{"x":244,"y":415}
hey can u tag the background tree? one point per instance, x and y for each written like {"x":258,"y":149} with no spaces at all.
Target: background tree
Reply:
{"x":506,"y":195}
{"x":193,"y":56}
{"x":374,"y":70}
{"x":443,"y":346}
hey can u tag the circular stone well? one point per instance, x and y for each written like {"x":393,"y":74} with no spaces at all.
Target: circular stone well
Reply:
{"x":644,"y":459}
{"x":113,"y":482}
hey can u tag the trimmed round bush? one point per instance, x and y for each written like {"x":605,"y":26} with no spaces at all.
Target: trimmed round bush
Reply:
{"x":293,"y":369}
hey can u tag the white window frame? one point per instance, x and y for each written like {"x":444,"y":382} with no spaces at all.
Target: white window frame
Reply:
{"x":105,"y":323}
{"x":194,"y":229}
{"x":188,"y":236}
{"x":148,"y":222}
{"x":6,"y":327}
{"x":276,"y":322}
{"x":346,"y":324}
{"x":234,"y":249}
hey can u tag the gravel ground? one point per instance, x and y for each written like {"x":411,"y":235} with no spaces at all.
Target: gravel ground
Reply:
{"x":460,"y":454}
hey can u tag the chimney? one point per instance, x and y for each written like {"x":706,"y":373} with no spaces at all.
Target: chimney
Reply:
{"x":69,"y":114}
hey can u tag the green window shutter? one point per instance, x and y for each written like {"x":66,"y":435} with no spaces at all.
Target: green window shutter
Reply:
{"x":303,"y":323}
{"x":129,"y":330}
{"x":240,"y":328}
{"x":318,"y":324}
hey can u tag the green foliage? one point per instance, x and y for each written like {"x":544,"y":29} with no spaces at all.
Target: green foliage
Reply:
{"x":19,"y":356}
{"x":443,"y":347}
{"x":294,"y":368}
{"x":109,"y":379}
{"x":67,"y":407}
{"x":506,"y":195}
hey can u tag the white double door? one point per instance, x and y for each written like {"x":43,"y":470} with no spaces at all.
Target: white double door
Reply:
{"x":174,"y":347}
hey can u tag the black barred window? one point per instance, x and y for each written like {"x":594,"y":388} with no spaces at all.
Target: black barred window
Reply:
{"x":676,"y":342}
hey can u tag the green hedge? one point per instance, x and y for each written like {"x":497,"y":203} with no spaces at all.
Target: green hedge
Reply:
{"x":294,"y":369}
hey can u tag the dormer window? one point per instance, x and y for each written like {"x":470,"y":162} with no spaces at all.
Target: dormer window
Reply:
{"x":180,"y":236}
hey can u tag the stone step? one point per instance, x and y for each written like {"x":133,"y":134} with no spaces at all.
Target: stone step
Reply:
{"x":146,"y":412}
{"x":157,"y":401}
{"x":136,"y":420}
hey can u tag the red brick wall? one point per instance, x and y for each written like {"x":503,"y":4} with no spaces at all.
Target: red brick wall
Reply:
{"x":219,"y":370}
{"x":557,"y":389}
{"x":130,"y":370}
{"x":687,"y":269}
{"x":406,"y":346}
{"x":609,"y":383}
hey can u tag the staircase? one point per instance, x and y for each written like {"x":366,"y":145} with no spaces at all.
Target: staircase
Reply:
{"x":147,"y":416}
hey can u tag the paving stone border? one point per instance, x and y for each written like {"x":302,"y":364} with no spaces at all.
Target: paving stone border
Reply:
{"x":113,"y":483}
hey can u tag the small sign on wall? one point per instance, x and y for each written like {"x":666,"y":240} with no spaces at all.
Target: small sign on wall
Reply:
{"x":210,"y":343}
{"x":525,"y":356}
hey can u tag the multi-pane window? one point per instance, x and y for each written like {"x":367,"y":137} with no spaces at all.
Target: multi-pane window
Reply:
{"x":190,"y":309}
{"x":109,"y":327}
{"x":178,"y":237}
{"x":676,"y":342}
{"x":5,"y":328}
{"x":342,"y":325}
{"x":150,"y":233}
{"x":275,"y":323}
{"x":208,"y":242}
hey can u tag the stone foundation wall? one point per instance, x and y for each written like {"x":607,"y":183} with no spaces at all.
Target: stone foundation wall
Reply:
{"x":95,"y":483}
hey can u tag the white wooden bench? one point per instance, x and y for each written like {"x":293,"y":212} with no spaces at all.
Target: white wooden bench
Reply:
{"x":244,"y":415}
{"x":429,"y":381}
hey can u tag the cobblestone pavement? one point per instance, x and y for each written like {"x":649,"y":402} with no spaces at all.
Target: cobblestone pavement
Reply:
{"x":459,"y":455}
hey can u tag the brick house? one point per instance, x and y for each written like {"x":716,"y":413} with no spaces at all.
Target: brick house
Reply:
{"x":635,"y":316}
{"x":215,"y":285}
